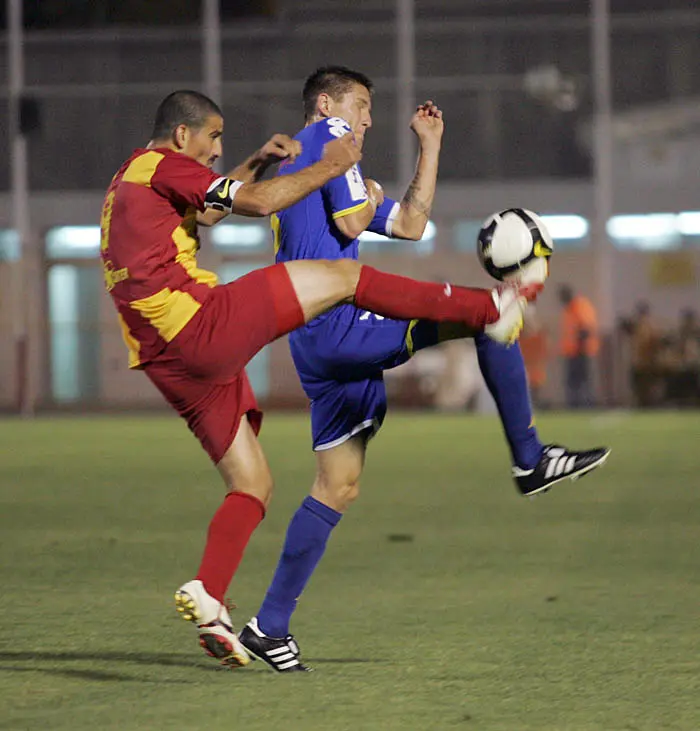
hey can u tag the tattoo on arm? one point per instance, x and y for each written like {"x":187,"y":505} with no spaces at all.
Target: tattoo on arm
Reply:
{"x":413,"y":199}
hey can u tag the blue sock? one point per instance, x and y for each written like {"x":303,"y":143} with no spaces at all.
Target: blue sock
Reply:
{"x":504,"y":372}
{"x":304,"y":545}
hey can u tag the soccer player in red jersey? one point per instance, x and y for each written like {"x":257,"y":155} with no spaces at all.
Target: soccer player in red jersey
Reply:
{"x":193,"y":337}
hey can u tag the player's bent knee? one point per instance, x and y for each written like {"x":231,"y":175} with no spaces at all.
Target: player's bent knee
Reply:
{"x":260,"y":486}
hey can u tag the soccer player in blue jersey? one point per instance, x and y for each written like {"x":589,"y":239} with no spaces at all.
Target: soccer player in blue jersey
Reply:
{"x":341,"y":355}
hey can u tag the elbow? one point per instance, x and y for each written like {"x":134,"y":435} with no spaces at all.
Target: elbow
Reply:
{"x":263,"y":210}
{"x":352,"y":232}
{"x":350,"y":229}
{"x":416,"y":235}
{"x":410,"y":233}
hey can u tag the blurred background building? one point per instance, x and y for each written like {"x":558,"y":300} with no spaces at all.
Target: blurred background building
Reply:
{"x":535,"y":117}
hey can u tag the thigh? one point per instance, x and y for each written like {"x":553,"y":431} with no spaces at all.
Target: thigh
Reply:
{"x":351,"y":345}
{"x":237,"y":321}
{"x":341,"y":410}
{"x":213,"y":411}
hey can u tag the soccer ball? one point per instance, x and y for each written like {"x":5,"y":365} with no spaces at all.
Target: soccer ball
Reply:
{"x":515,"y":242}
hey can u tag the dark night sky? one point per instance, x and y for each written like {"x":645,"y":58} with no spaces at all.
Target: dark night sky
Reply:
{"x":92,"y":13}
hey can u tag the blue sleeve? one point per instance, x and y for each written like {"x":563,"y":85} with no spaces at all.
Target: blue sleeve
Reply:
{"x":346,"y":193}
{"x":384,"y":217}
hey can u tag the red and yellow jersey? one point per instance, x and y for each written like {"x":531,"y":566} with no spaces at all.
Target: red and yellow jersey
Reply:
{"x":148,"y":247}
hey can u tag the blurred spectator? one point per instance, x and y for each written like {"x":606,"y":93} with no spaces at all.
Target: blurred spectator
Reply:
{"x":645,"y":342}
{"x":579,"y":344}
{"x":534,"y":344}
{"x":683,"y":362}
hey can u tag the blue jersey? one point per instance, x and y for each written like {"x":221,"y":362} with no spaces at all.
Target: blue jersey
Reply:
{"x":340,"y":355}
{"x":307,"y":229}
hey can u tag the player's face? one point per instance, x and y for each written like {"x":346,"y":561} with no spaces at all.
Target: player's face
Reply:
{"x":204,"y":144}
{"x":355,"y":107}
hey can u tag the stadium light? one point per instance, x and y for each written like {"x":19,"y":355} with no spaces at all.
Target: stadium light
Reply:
{"x":566,"y":227}
{"x":688,"y":223}
{"x":643,"y":226}
{"x":239,"y":236}
{"x":73,"y":242}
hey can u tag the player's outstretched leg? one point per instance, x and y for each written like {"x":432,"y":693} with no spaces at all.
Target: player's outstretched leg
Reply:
{"x":535,"y":467}
{"x":320,"y":285}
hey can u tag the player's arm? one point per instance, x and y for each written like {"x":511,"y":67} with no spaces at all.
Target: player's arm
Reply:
{"x":353,"y":222}
{"x":267,"y":196}
{"x":417,"y":202}
{"x":279,"y":147}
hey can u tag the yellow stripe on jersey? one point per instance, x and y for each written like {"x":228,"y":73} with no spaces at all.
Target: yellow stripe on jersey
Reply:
{"x":275,"y":226}
{"x":410,"y":347}
{"x":168,"y":311}
{"x":348,"y":211}
{"x":186,"y":249}
{"x":132,"y":343}
{"x":141,"y":170}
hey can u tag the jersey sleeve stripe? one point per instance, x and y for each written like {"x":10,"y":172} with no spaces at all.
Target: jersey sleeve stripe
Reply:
{"x":142,"y":169}
{"x":348,"y":211}
{"x":393,"y":213}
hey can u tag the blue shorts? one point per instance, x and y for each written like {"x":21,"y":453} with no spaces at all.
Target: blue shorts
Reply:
{"x":341,"y":357}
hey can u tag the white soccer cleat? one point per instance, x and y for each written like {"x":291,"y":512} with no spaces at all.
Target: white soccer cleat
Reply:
{"x":535,"y":271}
{"x":511,"y":299}
{"x":216,"y":635}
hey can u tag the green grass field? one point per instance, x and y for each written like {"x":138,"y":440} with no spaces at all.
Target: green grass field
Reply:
{"x":445,"y":600}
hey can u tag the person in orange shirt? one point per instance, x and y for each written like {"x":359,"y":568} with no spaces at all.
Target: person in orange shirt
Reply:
{"x":579,"y":345}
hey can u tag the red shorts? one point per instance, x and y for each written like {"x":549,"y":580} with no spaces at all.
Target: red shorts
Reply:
{"x":201,"y":372}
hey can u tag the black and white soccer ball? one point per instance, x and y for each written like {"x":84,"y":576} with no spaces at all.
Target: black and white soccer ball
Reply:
{"x":514,"y":242}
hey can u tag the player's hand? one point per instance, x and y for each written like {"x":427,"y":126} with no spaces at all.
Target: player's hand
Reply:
{"x":428,"y":125}
{"x":342,"y":153}
{"x":375,"y":192}
{"x":280,"y":147}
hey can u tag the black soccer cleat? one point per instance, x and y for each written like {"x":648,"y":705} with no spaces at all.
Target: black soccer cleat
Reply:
{"x":556,"y":464}
{"x":280,"y":653}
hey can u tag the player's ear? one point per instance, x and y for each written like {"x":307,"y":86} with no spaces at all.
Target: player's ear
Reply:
{"x":181,"y":135}
{"x":324,"y":105}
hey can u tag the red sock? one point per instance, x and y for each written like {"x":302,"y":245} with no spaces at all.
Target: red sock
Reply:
{"x":229,"y":532}
{"x":408,"y":299}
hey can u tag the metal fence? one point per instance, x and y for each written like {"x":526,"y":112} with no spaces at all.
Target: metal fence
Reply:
{"x":516,"y":91}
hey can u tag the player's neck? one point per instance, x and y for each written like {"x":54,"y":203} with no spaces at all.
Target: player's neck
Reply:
{"x":314,"y":119}
{"x":161,"y":144}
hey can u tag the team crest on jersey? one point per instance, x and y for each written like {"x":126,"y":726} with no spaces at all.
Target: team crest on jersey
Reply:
{"x":338,"y":127}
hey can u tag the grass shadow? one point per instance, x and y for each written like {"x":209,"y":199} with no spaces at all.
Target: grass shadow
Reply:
{"x":98,"y":675}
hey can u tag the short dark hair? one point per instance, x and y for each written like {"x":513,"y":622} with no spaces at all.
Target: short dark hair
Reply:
{"x":334,"y":81}
{"x":182,"y":107}
{"x":566,"y":294}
